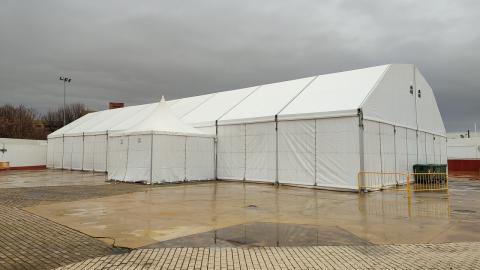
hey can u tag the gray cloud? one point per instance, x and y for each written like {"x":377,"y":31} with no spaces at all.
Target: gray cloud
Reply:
{"x":137,"y":51}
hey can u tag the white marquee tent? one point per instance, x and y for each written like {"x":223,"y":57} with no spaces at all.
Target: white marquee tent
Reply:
{"x":319,"y":131}
{"x":160,"y":148}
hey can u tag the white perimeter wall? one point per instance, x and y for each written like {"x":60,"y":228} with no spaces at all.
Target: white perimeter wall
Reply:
{"x":464,"y":148}
{"x":24,"y":152}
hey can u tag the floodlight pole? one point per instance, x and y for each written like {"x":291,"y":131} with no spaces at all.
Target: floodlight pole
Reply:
{"x":65,"y":80}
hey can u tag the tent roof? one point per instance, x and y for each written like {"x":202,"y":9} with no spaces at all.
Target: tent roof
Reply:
{"x":184,"y":106}
{"x":161,"y":121}
{"x":381,"y":92}
{"x":265,"y":102}
{"x":214,"y":108}
{"x":334,"y":94}
{"x":61,"y":131}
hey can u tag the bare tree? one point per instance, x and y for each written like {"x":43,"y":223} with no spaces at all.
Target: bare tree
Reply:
{"x":53,"y":119}
{"x":24,"y":123}
{"x":19,"y":122}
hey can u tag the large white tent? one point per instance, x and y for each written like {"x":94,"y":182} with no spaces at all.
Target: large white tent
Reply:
{"x":160,"y":148}
{"x":319,"y":131}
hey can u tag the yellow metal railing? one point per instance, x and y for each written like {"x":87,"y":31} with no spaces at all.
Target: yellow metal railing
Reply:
{"x":368,"y":181}
{"x":429,"y":181}
{"x":380,"y":180}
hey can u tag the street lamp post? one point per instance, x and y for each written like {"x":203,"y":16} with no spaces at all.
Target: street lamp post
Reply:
{"x":65,"y":80}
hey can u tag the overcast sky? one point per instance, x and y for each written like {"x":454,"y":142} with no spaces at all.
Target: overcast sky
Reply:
{"x":136,"y":51}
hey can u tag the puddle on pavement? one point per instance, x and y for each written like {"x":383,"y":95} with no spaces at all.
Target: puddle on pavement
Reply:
{"x":264,"y":234}
{"x":247,"y":214}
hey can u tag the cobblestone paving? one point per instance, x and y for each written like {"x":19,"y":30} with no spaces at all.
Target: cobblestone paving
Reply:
{"x":28,"y":241}
{"x":439,"y":256}
{"x":29,"y":196}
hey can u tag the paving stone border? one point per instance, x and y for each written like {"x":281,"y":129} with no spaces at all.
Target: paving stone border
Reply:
{"x":422,"y":256}
{"x":28,"y":241}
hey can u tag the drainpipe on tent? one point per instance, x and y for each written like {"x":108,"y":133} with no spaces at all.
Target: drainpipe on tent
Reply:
{"x":276,"y":149}
{"x":361,"y":128}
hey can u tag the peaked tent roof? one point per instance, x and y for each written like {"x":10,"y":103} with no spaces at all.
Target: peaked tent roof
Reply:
{"x":214,"y":108}
{"x":382,"y":92}
{"x":61,"y":131}
{"x":334,"y":94}
{"x":265,"y":102}
{"x":161,"y":121}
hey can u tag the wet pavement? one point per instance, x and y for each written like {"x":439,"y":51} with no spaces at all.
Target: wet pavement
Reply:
{"x":196,"y":211}
{"x":39,"y":178}
{"x":81,"y":216}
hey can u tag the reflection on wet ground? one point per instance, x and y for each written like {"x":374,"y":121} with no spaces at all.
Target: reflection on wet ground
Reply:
{"x":264,"y":234}
{"x":171,"y":215}
{"x":39,"y":178}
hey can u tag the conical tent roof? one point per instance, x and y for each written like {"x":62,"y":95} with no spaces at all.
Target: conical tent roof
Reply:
{"x":161,"y":121}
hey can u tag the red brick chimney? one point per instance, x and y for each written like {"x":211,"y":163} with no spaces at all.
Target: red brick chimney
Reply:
{"x":115,"y":105}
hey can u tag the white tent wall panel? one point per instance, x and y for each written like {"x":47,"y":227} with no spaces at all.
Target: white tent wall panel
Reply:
{"x":231,"y":152}
{"x":67,"y":152}
{"x":387,"y":139}
{"x":50,"y":149}
{"x":168,"y":158}
{"x":296,"y":152}
{"x":421,"y":145}
{"x":337,"y":152}
{"x":77,"y":152}
{"x":58,"y":152}
{"x":429,"y":148}
{"x":412,"y":148}
{"x":371,"y":149}
{"x":100,"y":153}
{"x":200,"y":158}
{"x":401,"y":150}
{"x":88,"y":152}
{"x":117,"y":157}
{"x":260,"y":152}
{"x":139,"y":158}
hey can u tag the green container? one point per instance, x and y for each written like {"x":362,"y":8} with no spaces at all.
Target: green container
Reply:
{"x":438,"y":171}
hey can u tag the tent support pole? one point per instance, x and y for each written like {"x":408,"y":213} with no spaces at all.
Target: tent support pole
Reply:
{"x":276,"y":150}
{"x":126,"y":162}
{"x":106,"y":157}
{"x":245,"y":154}
{"x":83,"y":148}
{"x":361,"y":145}
{"x":215,"y":148}
{"x":63,"y":149}
{"x":185,"y":161}
{"x":151,"y":160}
{"x":315,"y":153}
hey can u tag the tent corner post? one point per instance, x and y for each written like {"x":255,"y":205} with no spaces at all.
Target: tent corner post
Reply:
{"x":361,"y":146}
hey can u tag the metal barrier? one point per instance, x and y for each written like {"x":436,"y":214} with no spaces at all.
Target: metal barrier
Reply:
{"x":416,"y":182}
{"x":429,"y":181}
{"x":380,"y":180}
